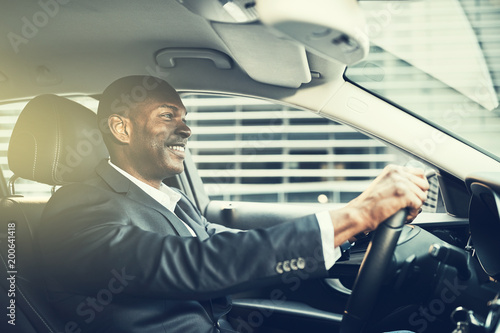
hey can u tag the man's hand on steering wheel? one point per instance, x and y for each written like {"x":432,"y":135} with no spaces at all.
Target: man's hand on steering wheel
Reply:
{"x":397,"y":192}
{"x":396,"y":188}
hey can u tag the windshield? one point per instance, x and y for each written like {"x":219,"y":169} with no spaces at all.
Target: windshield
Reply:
{"x":439,"y":59}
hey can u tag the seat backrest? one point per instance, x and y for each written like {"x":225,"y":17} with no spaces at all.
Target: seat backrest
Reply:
{"x":55,"y":141}
{"x":3,"y":185}
{"x":20,"y":278}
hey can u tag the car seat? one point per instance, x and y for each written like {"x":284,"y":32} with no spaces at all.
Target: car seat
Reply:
{"x":55,"y":141}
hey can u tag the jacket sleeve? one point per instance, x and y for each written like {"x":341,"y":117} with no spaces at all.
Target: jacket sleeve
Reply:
{"x":88,"y":242}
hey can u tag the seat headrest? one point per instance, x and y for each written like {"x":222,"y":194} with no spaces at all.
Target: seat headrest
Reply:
{"x":55,"y":141}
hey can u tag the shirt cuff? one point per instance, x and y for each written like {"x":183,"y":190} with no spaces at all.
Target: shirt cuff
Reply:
{"x":331,"y":253}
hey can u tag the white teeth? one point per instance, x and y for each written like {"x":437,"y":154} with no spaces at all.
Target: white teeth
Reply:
{"x":178,"y":148}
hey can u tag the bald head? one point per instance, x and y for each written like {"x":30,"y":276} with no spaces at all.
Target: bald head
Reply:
{"x":125,"y":94}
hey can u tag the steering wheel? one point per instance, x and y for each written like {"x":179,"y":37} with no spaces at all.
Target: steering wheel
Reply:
{"x":372,"y":273}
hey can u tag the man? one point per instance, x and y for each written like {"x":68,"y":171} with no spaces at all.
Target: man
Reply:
{"x":125,"y":253}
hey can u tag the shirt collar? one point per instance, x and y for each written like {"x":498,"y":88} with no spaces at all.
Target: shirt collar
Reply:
{"x":165,"y":195}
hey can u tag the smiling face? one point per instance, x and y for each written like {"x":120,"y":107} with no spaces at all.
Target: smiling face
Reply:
{"x":150,"y":134}
{"x":158,"y":136}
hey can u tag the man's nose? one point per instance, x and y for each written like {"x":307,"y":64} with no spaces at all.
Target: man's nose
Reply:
{"x":184,"y":130}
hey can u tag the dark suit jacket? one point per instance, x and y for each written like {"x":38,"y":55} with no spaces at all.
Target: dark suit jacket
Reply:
{"x":118,"y":261}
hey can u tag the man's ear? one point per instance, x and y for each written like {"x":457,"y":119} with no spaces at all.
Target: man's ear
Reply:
{"x":120,"y":128}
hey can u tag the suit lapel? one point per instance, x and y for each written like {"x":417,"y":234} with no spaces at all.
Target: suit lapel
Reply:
{"x":120,"y":184}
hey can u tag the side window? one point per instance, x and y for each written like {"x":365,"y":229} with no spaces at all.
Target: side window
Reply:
{"x":8,"y":117}
{"x":252,"y":150}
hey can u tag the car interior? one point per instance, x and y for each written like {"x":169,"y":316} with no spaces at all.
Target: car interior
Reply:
{"x":437,"y":274}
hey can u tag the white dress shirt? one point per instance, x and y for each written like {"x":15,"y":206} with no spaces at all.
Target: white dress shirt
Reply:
{"x":165,"y":195}
{"x":169,"y":199}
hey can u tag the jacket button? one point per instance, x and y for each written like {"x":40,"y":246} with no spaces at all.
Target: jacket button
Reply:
{"x":301,"y":263}
{"x":293,"y":264}
{"x":279,"y":267}
{"x":286,"y":265}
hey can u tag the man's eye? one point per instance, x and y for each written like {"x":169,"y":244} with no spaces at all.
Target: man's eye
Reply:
{"x":167,"y":115}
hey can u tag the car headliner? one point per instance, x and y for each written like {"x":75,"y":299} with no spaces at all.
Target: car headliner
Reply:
{"x":81,"y":46}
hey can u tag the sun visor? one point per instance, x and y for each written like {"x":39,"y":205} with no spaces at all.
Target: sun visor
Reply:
{"x":264,"y":56}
